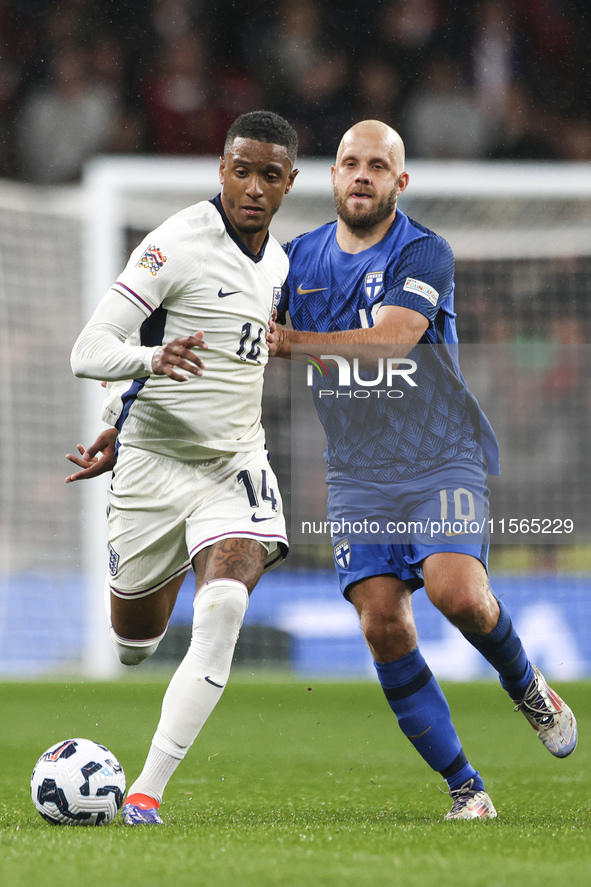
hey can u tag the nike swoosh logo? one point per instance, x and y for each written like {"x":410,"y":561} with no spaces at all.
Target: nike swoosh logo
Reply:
{"x":213,"y":683}
{"x":223,"y":295}
{"x":418,"y":736}
{"x":257,"y":520}
{"x":463,"y":533}
{"x":302,"y":292}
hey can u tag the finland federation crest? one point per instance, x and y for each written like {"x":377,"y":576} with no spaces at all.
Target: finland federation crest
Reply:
{"x":374,"y":281}
{"x":342,"y":554}
{"x":113,"y":561}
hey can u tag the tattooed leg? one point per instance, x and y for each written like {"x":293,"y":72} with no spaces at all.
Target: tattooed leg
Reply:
{"x":240,"y":559}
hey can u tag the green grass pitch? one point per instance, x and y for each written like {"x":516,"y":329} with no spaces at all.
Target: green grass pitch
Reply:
{"x":298,"y":784}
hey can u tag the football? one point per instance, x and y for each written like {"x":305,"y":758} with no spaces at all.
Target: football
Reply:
{"x":78,"y":782}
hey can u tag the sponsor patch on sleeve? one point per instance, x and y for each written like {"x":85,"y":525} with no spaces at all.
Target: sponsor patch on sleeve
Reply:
{"x":152,"y":260}
{"x":421,"y":289}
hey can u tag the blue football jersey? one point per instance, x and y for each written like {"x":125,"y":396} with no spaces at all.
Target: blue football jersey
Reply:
{"x":440,"y":421}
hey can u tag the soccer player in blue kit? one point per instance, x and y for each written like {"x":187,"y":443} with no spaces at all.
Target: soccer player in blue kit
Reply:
{"x":375,"y":277}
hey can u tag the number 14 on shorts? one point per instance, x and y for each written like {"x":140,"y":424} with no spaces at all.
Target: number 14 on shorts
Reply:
{"x":267,"y":494}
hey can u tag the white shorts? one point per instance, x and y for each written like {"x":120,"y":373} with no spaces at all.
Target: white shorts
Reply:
{"x":162,"y":512}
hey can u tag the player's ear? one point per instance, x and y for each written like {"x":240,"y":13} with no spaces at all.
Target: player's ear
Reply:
{"x":291,"y":180}
{"x":402,"y":182}
{"x":222,"y":169}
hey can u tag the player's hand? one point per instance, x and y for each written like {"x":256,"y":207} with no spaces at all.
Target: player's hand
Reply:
{"x":275,"y":338}
{"x":91,"y":463}
{"x":171,"y":358}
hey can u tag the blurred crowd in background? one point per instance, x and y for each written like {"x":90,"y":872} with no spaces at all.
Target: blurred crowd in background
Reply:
{"x":466,"y":79}
{"x":495,"y":79}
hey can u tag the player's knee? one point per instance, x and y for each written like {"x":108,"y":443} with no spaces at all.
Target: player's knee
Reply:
{"x":133,"y":652}
{"x":469,"y":610}
{"x":220,"y":606}
{"x":389,"y":637}
{"x":458,"y":586}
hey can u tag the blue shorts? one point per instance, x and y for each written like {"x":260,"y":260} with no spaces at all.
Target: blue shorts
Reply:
{"x":390,"y":528}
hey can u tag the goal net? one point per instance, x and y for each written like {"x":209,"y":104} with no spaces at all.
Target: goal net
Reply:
{"x":521,"y":235}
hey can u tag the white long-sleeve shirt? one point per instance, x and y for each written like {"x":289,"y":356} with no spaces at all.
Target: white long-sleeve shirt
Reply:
{"x":192,"y":273}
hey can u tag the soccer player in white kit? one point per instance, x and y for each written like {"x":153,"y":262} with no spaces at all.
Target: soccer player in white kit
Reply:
{"x":192,"y":484}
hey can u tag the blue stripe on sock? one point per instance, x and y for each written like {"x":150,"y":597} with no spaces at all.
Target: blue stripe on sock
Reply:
{"x":393,"y":694}
{"x":503,"y":649}
{"x":457,"y":779}
{"x":422,"y":711}
{"x":455,"y":767}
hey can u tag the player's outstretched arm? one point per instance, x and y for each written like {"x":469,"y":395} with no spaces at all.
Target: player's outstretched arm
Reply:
{"x":98,"y":458}
{"x":395,"y":325}
{"x":277,"y":342}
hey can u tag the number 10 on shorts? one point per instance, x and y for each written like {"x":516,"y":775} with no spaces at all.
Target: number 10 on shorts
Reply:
{"x":463,"y":505}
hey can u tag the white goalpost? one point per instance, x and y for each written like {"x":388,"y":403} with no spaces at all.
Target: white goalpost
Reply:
{"x":136,"y":193}
{"x":124,"y":194}
{"x":60,"y":250}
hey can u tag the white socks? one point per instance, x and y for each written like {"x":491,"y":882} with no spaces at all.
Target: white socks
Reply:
{"x":198,"y":682}
{"x":129,"y":652}
{"x":133,"y":652}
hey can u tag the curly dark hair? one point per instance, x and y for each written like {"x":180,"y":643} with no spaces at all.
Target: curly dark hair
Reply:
{"x":264,"y":126}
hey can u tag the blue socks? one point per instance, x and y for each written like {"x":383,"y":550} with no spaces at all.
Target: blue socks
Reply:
{"x":504,"y":650}
{"x":424,"y":717}
{"x":423,"y":714}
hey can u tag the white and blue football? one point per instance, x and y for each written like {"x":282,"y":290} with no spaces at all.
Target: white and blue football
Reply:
{"x":78,"y":782}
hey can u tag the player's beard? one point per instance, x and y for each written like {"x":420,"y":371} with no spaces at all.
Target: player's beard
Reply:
{"x":360,"y":219}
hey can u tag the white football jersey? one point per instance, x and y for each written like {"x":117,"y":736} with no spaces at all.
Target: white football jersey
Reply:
{"x":194,"y":273}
